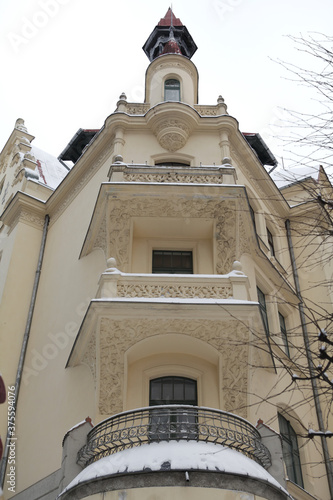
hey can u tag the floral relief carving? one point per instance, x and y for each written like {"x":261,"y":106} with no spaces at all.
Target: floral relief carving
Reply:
{"x":137,"y":109}
{"x":230,"y":338}
{"x":172,"y":141}
{"x":174,"y":65}
{"x":121,"y":212}
{"x":29,"y":218}
{"x":243,"y":237}
{"x":174,"y":177}
{"x":207,"y":111}
{"x":226,"y":238}
{"x":172,"y":123}
{"x":200,"y":292}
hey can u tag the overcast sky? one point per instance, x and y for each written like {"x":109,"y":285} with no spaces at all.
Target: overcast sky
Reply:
{"x":65,"y":62}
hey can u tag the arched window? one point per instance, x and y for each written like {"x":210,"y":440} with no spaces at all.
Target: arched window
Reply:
{"x":173,"y":423}
{"x":290,"y":451}
{"x":172,"y":90}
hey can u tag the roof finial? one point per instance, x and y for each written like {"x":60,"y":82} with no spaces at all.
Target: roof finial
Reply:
{"x":171,"y":34}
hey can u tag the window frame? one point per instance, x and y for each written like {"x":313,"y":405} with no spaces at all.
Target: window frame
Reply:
{"x":169,"y":88}
{"x":290,"y":450}
{"x":172,"y":269}
{"x":173,"y":379}
{"x":263,"y":310}
{"x":284,"y":333}
{"x":166,"y":423}
{"x":253,"y":216}
{"x":270,"y":240}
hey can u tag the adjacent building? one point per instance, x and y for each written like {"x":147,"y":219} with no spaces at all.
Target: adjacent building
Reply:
{"x":155,"y":328}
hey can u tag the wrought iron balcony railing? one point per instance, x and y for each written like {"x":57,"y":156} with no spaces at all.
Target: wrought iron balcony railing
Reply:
{"x":173,"y":422}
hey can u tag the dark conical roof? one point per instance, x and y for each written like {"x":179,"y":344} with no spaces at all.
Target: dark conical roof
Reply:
{"x":170,"y":36}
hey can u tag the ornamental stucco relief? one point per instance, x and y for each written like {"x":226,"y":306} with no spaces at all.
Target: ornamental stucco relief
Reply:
{"x":121,"y":211}
{"x":183,"y":291}
{"x":175,"y":178}
{"x":229,"y":338}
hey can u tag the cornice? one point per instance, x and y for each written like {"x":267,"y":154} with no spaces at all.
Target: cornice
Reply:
{"x":127,"y":309}
{"x":78,"y":177}
{"x":255,"y":171}
{"x":24,"y":208}
{"x":16,"y":135}
{"x":150,"y":191}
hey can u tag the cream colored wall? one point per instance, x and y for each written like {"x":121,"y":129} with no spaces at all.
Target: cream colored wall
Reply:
{"x":263,"y":377}
{"x":53,"y":399}
{"x":20,"y":257}
{"x":168,"y":67}
{"x":156,"y":233}
{"x":173,"y":354}
{"x":143,"y":147}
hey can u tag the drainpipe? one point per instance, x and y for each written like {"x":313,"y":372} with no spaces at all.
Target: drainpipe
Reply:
{"x":24,"y":345}
{"x":312,"y":371}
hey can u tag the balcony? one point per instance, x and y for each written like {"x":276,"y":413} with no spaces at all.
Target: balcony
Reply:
{"x":115,"y":284}
{"x":173,"y":422}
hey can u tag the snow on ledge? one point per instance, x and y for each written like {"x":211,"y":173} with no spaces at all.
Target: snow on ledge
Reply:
{"x":175,"y":455}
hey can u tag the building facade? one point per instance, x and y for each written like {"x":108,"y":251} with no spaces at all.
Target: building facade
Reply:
{"x":154,"y":329}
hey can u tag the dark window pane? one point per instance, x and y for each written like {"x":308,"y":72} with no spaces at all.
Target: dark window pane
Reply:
{"x":270,"y":241}
{"x":172,"y":262}
{"x":174,"y":423}
{"x":263,"y":310}
{"x":284,"y":333}
{"x":173,"y":390}
{"x":191,"y":392}
{"x":167,"y":391}
{"x":253,"y":216}
{"x":179,"y":390}
{"x":155,"y":390}
{"x":172,"y":90}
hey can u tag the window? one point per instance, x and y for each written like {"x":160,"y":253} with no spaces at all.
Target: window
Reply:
{"x":270,"y":242}
{"x":173,"y":423}
{"x":290,"y":451}
{"x":263,"y":310}
{"x":173,"y":390}
{"x":284,"y":333}
{"x":172,"y":262}
{"x":172,"y":90}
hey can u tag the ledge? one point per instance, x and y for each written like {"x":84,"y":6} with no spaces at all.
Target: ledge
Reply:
{"x":114,"y":283}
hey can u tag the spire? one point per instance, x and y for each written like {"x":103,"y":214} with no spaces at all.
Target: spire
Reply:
{"x":170,"y":19}
{"x":170,"y":36}
{"x":171,"y":47}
